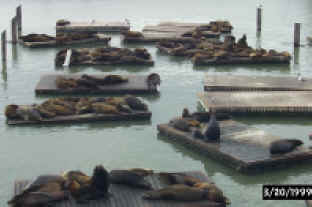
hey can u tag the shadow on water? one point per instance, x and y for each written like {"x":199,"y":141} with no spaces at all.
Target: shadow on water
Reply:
{"x":213,"y":167}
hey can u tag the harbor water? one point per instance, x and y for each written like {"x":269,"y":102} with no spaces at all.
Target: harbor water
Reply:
{"x":33,"y":150}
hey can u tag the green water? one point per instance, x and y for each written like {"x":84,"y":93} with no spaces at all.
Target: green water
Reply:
{"x":32,"y":150}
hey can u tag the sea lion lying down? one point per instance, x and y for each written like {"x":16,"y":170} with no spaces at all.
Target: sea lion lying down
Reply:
{"x":284,"y":145}
{"x":133,"y":178}
{"x":48,"y":189}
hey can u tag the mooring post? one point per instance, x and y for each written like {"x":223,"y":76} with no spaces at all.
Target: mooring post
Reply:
{"x":3,"y":46}
{"x":297,"y":35}
{"x":259,"y":18}
{"x":13,"y":30}
{"x":19,"y":20}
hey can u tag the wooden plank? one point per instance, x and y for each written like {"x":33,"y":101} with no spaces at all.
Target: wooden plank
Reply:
{"x":124,"y":196}
{"x":94,"y":26}
{"x":255,"y":83}
{"x":99,"y":39}
{"x":243,"y":148}
{"x":90,"y":117}
{"x":136,"y":84}
{"x":281,"y":102}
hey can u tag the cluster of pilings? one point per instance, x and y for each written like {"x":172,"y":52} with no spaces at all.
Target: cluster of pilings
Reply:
{"x":16,"y":31}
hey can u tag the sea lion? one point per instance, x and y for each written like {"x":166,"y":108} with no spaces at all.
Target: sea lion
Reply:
{"x":83,"y":106}
{"x":115,"y":101}
{"x":242,"y":42}
{"x":129,"y":177}
{"x":153,"y":80}
{"x":37,"y":38}
{"x":62,"y":22}
{"x":180,"y":124}
{"x":132,"y":34}
{"x":65,"y":83}
{"x":104,"y":108}
{"x":211,"y":130}
{"x":142,"y":53}
{"x":28,"y":113}
{"x":178,"y":178}
{"x":186,"y":113}
{"x":284,"y":145}
{"x":10,"y":111}
{"x":177,"y":192}
{"x":124,"y":108}
{"x":97,"y":188}
{"x":135,"y":103}
{"x":196,"y":133}
{"x":43,"y":190}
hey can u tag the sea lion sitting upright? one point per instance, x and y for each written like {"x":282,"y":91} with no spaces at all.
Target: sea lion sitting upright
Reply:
{"x":211,"y":131}
{"x":153,"y":80}
{"x":186,"y":113}
{"x":94,"y":189}
{"x":130,"y":178}
{"x":284,"y":145}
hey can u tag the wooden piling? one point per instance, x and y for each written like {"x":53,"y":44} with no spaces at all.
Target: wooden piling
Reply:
{"x":13,"y":30}
{"x":297,"y":35}
{"x":259,"y":18}
{"x":3,"y":46}
{"x":19,"y":20}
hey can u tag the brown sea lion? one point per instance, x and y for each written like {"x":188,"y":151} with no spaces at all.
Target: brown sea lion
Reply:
{"x":83,"y":106}
{"x":43,"y":190}
{"x":115,"y":101}
{"x":142,"y":53}
{"x":104,"y":108}
{"x":284,"y":146}
{"x":142,"y":171}
{"x":131,"y":178}
{"x":186,"y":113}
{"x":132,"y":34}
{"x":28,"y":113}
{"x":10,"y":111}
{"x":178,"y":178}
{"x":64,"y":83}
{"x":178,"y":192}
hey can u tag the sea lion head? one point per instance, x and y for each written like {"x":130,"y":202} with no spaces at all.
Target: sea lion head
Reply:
{"x":186,"y":113}
{"x":100,"y":179}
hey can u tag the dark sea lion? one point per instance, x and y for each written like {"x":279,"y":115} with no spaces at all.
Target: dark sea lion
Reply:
{"x":142,"y":53}
{"x":186,"y":113}
{"x":62,"y":22}
{"x":196,"y":133}
{"x":142,"y":171}
{"x":178,"y":192}
{"x":180,"y":124}
{"x":10,"y":111}
{"x":242,"y":42}
{"x":178,"y":178}
{"x":135,"y":103}
{"x":96,"y":188}
{"x":211,"y":131}
{"x":284,"y":145}
{"x":130,"y":178}
{"x":124,"y":108}
{"x":153,"y":80}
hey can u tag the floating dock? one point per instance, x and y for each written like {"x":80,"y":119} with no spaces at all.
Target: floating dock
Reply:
{"x":172,"y":31}
{"x":100,"y":38}
{"x":135,"y":85}
{"x":124,"y":196}
{"x":241,"y":60}
{"x":94,"y":26}
{"x":279,"y":102}
{"x":255,"y":83}
{"x":243,"y":148}
{"x":84,"y":118}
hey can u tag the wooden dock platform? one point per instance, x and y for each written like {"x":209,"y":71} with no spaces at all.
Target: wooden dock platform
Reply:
{"x":124,"y":196}
{"x":242,"y":60}
{"x":243,"y":148}
{"x":172,"y":31}
{"x":100,"y":38}
{"x":279,"y":102}
{"x":85,"y":118}
{"x":255,"y":83}
{"x":94,"y":26}
{"x":135,"y":85}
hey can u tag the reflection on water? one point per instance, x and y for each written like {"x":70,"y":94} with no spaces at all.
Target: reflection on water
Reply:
{"x":25,"y":150}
